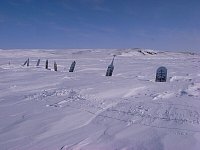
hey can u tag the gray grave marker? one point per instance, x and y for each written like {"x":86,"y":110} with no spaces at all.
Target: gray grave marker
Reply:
{"x":161,"y":74}
{"x":110,"y":69}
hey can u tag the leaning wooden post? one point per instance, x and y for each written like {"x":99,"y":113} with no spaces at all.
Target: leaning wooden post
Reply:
{"x":71,"y":69}
{"x":46,"y":64}
{"x":25,"y":63}
{"x":38,"y":62}
{"x":55,"y":66}
{"x":110,"y":68}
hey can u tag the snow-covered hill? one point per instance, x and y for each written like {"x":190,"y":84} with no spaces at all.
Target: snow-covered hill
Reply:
{"x":46,"y":110}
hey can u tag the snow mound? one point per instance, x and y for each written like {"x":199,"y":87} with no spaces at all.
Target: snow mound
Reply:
{"x":192,"y":90}
{"x":135,"y":52}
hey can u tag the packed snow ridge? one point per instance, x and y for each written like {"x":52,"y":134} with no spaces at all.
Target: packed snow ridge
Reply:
{"x":43,"y":109}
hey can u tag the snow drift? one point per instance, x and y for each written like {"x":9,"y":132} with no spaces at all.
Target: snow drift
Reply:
{"x":43,"y":109}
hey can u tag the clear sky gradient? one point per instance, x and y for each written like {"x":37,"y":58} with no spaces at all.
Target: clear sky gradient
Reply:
{"x":154,"y":24}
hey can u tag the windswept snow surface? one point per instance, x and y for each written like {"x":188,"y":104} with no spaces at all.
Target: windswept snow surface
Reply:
{"x":46,"y":110}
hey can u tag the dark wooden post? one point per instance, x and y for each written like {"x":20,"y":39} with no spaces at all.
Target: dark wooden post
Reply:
{"x":46,"y":64}
{"x":38,"y":62}
{"x":25,"y":63}
{"x":55,"y":66}
{"x":28,"y":62}
{"x":71,"y":69}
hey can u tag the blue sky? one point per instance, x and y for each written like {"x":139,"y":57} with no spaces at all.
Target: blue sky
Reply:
{"x":154,"y":24}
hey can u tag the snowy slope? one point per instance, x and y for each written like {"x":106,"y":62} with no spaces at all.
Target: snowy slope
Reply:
{"x":47,"y":110}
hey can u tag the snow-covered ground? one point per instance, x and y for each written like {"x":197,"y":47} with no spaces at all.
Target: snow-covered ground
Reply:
{"x":46,"y":110}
